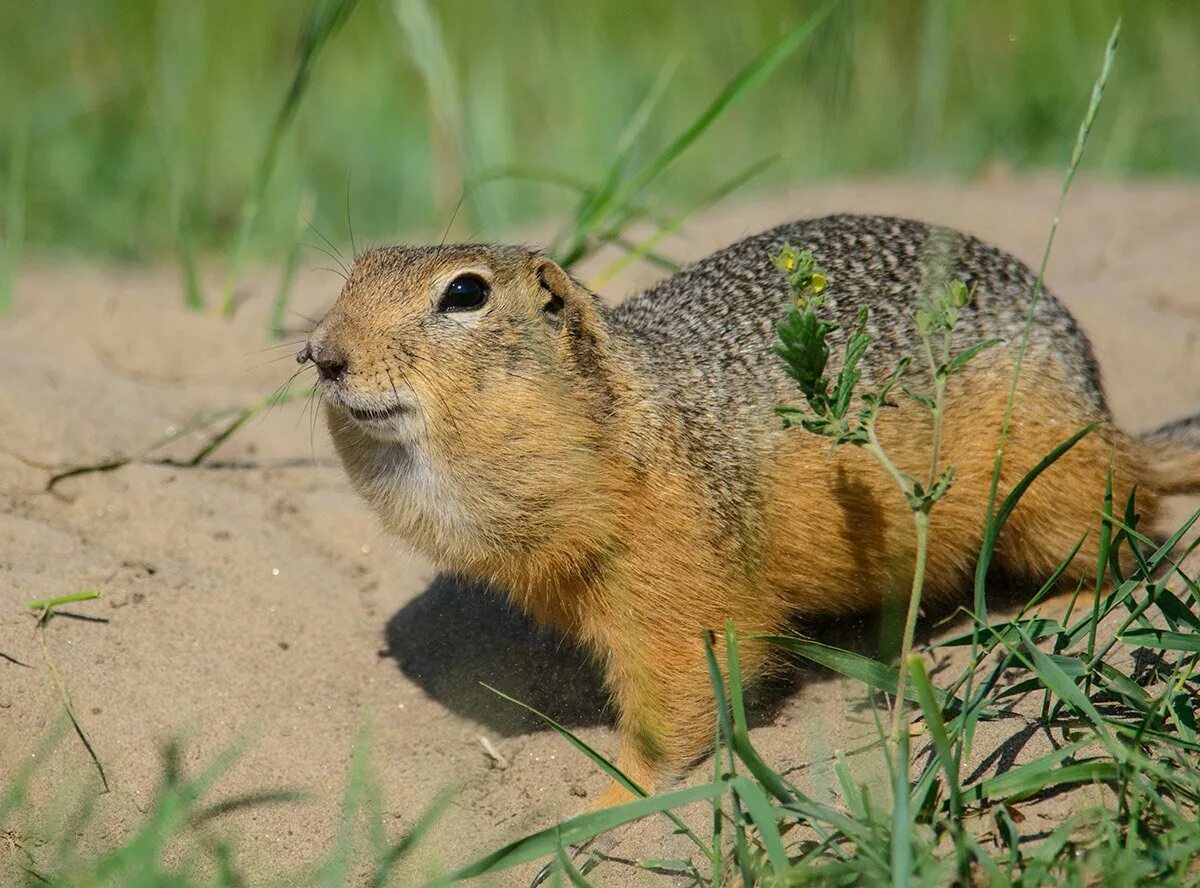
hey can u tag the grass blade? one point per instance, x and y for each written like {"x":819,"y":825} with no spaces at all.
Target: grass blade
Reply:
{"x":243,"y":416}
{"x":1026,"y":780}
{"x":1036,"y":628}
{"x":1051,"y":674}
{"x":1176,"y":612}
{"x":400,"y":849}
{"x":1161,"y":639}
{"x":870,"y":672}
{"x":902,"y":840}
{"x":996,"y":521}
{"x":13,"y":244}
{"x":1085,"y":128}
{"x":724,"y":718}
{"x":601,"y":762}
{"x":47,"y":604}
{"x":750,"y":76}
{"x":763,"y":816}
{"x":290,"y":265}
{"x":193,"y":292}
{"x":646,"y":247}
{"x":581,"y":828}
{"x":770,"y":781}
{"x":335,"y":871}
{"x":325,"y":18}
{"x":597,"y":201}
{"x":937,"y":731}
{"x":574,"y":876}
{"x":619,"y":206}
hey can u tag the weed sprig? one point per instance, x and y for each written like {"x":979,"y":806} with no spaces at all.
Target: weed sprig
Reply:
{"x":847,"y":413}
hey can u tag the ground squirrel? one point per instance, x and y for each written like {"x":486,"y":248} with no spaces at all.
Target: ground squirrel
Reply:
{"x":621,"y":472}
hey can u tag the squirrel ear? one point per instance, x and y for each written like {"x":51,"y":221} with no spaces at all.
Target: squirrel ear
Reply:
{"x":557,"y":286}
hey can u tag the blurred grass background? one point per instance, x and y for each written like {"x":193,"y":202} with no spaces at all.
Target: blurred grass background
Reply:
{"x":126,"y":118}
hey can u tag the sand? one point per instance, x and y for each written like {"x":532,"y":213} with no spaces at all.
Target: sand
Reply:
{"x":256,"y":600}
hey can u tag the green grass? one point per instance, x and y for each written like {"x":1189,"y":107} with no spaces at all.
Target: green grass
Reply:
{"x":12,"y":234}
{"x":150,"y":856}
{"x":47,"y":605}
{"x":148,"y":118}
{"x":321,"y":24}
{"x":1133,"y":733}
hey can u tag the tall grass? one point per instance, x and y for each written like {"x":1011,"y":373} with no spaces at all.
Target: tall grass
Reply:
{"x":324,"y":19}
{"x":1143,"y":750}
{"x":12,"y":224}
{"x":933,"y":86}
{"x":605,"y":210}
{"x":170,"y":846}
{"x":291,"y":264}
{"x":178,"y":67}
{"x":602,"y":215}
{"x":450,"y":142}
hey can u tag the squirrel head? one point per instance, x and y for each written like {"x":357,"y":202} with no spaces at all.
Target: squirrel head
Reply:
{"x":466,"y":388}
{"x":421,"y":337}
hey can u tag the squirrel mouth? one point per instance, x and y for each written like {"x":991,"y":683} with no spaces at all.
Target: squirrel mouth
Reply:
{"x":377,"y":414}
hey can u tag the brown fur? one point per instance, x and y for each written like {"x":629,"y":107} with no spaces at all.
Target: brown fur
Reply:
{"x":542,"y":456}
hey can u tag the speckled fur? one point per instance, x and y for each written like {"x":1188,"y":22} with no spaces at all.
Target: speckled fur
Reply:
{"x":621,"y":473}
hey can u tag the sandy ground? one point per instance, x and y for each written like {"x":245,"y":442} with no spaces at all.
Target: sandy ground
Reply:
{"x":256,"y":599}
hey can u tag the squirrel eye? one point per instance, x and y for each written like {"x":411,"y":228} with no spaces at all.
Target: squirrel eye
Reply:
{"x":467,"y":292}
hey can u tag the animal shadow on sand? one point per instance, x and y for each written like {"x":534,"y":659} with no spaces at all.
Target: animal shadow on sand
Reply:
{"x":457,"y":636}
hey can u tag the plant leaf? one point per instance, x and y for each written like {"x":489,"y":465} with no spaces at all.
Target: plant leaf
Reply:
{"x":961,"y":359}
{"x":1161,"y":639}
{"x":870,"y":672}
{"x":996,"y":522}
{"x":580,"y":829}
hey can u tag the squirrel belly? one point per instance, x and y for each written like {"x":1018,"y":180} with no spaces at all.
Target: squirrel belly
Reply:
{"x":622,"y":474}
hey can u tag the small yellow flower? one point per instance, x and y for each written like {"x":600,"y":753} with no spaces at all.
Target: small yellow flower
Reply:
{"x":818,"y":282}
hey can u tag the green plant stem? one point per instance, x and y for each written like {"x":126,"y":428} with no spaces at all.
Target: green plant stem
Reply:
{"x":718,"y":812}
{"x":921,"y":523}
{"x":283,"y":295}
{"x":939,"y":408}
{"x":876,"y":450}
{"x":921,"y":520}
{"x":65,"y":695}
{"x":243,"y":416}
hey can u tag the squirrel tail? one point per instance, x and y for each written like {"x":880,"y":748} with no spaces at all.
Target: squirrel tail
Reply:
{"x":1173,"y":455}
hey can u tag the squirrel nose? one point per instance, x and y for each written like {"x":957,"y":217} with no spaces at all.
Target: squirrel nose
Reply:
{"x":330,"y":362}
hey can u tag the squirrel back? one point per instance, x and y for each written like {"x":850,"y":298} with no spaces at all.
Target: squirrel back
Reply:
{"x":715,"y":320}
{"x":704,"y":335}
